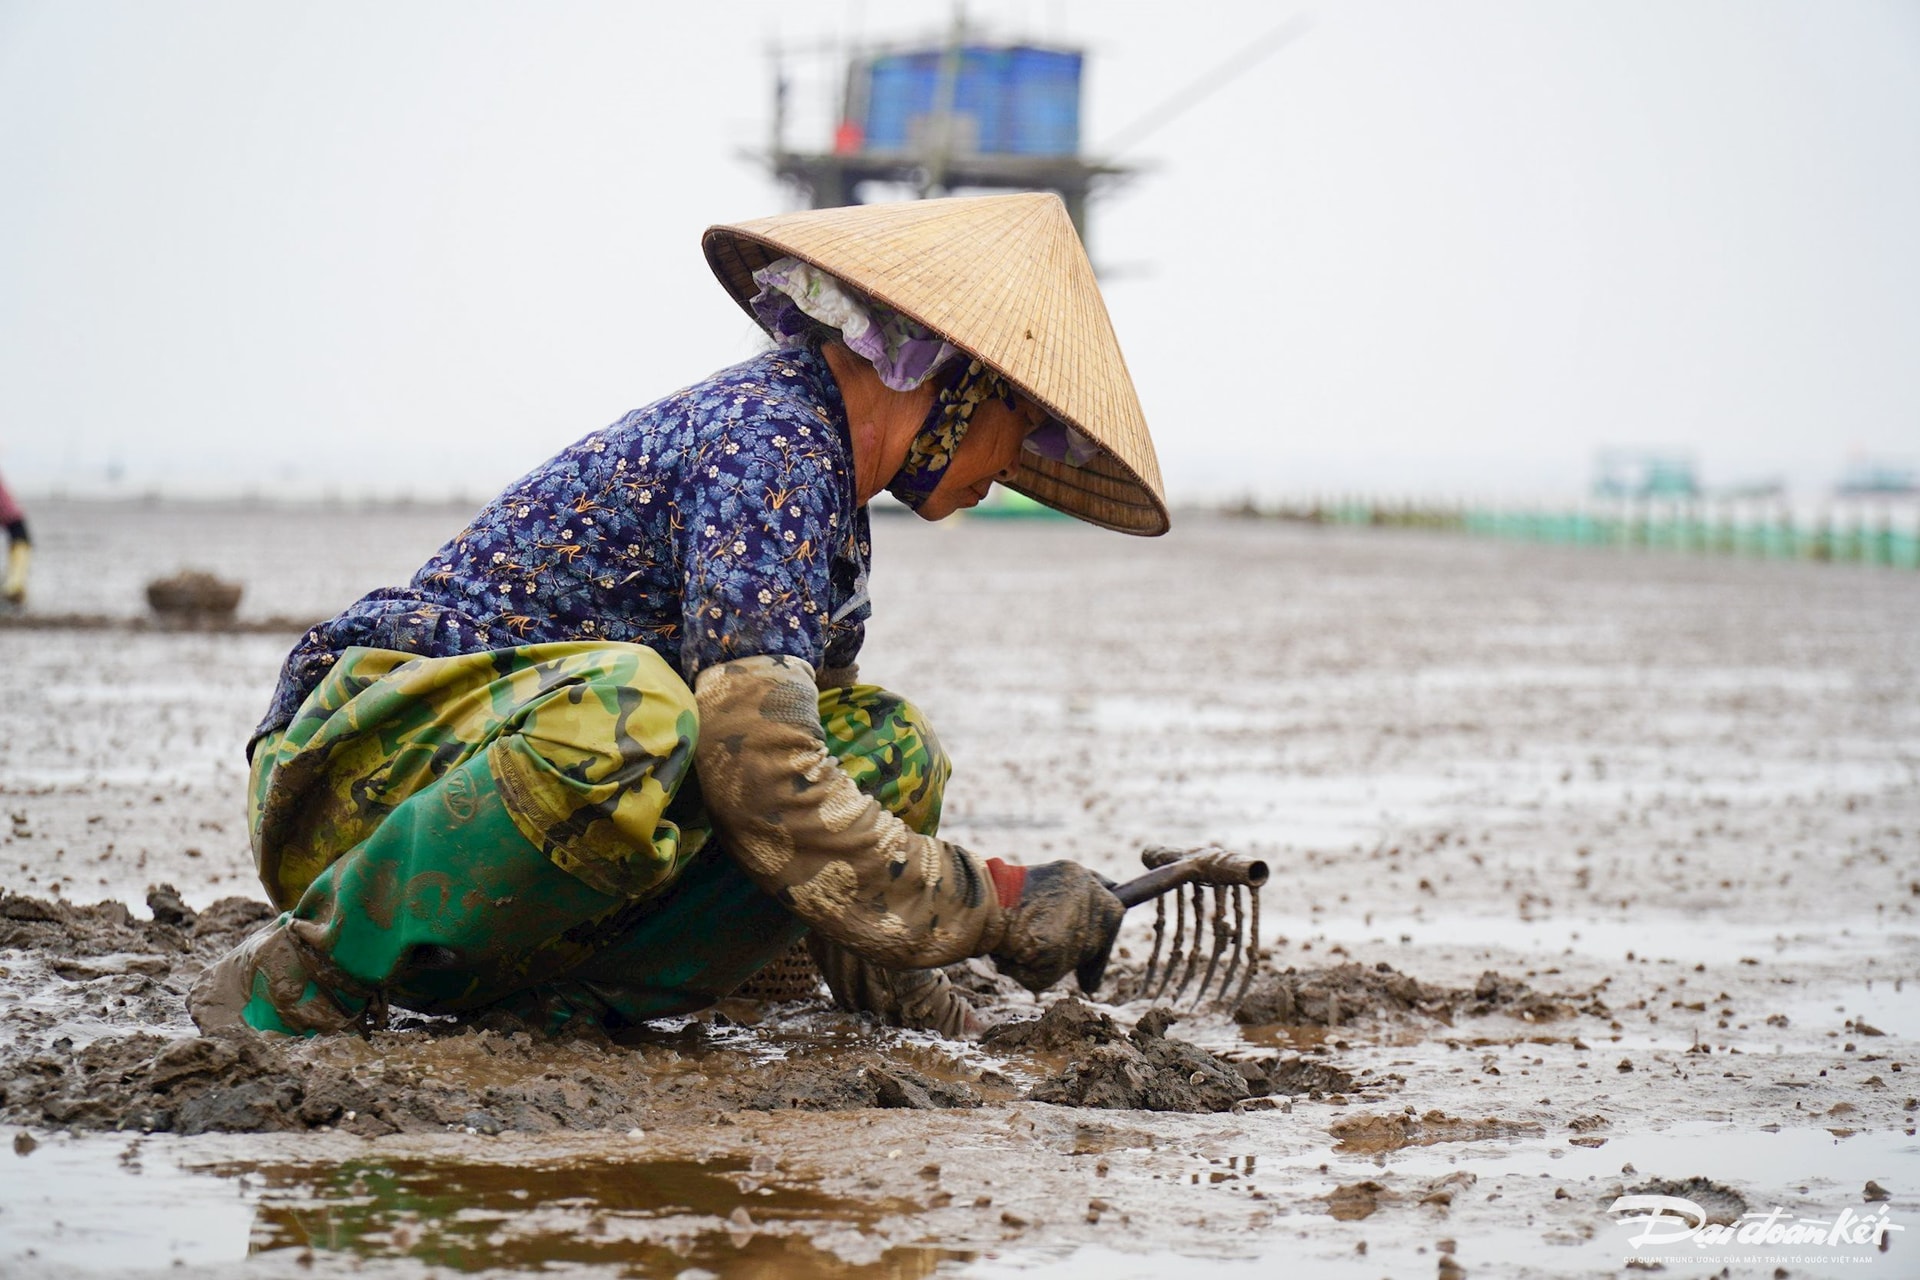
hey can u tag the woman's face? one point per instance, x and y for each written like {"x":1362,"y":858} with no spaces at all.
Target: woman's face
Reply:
{"x":989,"y":451}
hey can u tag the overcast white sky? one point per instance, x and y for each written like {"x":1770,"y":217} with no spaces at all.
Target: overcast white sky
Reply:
{"x":372,"y":248}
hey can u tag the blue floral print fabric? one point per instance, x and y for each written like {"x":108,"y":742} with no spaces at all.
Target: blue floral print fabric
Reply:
{"x":718,"y":523}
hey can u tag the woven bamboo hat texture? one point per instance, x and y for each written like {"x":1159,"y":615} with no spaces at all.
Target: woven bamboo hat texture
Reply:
{"x":1005,"y":279}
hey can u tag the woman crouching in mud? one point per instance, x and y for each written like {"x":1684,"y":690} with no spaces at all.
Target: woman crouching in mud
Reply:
{"x":606,"y":756}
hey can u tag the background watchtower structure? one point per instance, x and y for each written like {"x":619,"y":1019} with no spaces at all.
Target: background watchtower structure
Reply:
{"x":939,"y":118}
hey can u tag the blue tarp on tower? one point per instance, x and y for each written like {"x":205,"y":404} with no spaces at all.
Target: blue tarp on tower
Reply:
{"x":1023,"y":100}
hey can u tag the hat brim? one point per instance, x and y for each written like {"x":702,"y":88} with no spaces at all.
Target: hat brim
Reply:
{"x":1104,"y":492}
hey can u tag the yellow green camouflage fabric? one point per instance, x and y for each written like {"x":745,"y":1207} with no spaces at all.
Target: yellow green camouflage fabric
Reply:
{"x":595,"y":740}
{"x":889,"y":751}
{"x":585,"y":752}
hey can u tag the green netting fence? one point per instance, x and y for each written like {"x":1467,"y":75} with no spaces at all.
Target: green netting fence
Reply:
{"x":1854,"y":533}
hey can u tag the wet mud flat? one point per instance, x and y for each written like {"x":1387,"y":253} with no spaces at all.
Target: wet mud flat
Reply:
{"x":1592,"y":874}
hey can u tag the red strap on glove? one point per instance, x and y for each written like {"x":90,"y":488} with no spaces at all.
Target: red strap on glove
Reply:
{"x":1009,"y":882}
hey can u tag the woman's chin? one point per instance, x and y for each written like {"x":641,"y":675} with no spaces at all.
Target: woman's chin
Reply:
{"x":940,"y":505}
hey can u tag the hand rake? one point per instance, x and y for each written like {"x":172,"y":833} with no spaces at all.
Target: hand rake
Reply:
{"x":1203,"y":871}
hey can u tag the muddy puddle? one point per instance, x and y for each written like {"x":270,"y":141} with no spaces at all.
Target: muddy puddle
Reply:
{"x":610,"y":1206}
{"x":1591,"y":873}
{"x":116,"y":1207}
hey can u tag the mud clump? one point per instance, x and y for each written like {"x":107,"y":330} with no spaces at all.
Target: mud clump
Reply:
{"x":1302,"y":1076}
{"x":114,"y":972}
{"x":1353,"y":1201}
{"x":1342,"y":994}
{"x":1373,"y":1134}
{"x":149,"y":1082}
{"x":35,"y":924}
{"x":849,"y":1081}
{"x":1141,"y":1070}
{"x":169,"y":907}
{"x":1068,"y":1025}
{"x":1722,"y":1204}
{"x":1336,"y":996}
{"x":108,"y":928}
{"x":1497,"y":993}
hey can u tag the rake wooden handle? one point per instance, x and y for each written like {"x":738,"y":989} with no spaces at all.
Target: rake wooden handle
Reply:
{"x":1173,"y":868}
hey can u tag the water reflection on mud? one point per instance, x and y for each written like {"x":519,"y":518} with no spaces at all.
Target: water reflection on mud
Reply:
{"x":656,"y":1217}
{"x":130,"y":1205}
{"x":108,"y":1205}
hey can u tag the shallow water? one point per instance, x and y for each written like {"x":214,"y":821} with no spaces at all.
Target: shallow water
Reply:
{"x":117,"y":1206}
{"x":114,"y":1205}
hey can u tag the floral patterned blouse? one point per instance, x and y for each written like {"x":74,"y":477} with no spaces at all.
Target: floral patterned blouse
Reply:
{"x":718,"y":523}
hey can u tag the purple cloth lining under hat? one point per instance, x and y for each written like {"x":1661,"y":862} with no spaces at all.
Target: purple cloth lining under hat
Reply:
{"x":797,"y":301}
{"x":1056,"y":440}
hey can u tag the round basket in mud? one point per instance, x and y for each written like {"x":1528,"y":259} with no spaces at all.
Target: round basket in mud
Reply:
{"x":192,"y":594}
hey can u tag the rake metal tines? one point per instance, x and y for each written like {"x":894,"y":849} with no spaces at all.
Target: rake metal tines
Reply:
{"x":1201,"y":883}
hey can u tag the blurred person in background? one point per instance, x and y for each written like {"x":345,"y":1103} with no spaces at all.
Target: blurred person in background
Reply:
{"x":13,"y":587}
{"x":608,"y":756}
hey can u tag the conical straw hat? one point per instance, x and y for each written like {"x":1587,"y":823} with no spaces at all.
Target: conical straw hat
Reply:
{"x":1006,"y":279}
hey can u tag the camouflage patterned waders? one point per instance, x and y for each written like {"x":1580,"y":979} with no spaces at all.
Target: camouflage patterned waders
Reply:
{"x":518,"y":826}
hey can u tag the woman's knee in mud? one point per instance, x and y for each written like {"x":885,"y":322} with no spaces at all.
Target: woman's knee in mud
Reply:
{"x":888,"y":746}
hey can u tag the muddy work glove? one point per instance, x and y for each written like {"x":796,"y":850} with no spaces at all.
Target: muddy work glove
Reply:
{"x":919,"y":999}
{"x":1061,"y":918}
{"x":804,"y":832}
